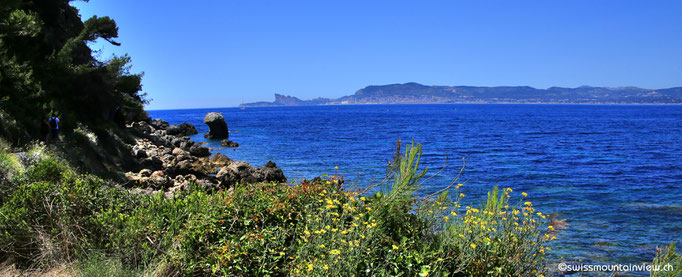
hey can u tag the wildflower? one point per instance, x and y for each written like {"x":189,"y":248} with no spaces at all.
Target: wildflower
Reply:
{"x":325,"y":267}
{"x":363,"y":198}
{"x":321,"y":245}
{"x":528,"y":203}
{"x":446,"y":218}
{"x":310,"y":267}
{"x":335,"y":252}
{"x":461,"y":195}
{"x":524,"y":194}
{"x":281,"y":253}
{"x":395,"y":247}
{"x":473,"y":246}
{"x":459,"y":186}
{"x":510,"y":189}
{"x":460,"y":235}
{"x":336,"y":167}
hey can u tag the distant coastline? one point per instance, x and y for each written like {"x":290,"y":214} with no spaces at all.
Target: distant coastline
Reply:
{"x":414,"y":93}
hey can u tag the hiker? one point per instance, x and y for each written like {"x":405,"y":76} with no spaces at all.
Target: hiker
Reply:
{"x":53,"y":122}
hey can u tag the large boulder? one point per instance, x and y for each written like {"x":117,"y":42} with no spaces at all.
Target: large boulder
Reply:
{"x":217,"y":126}
{"x":184,"y":129}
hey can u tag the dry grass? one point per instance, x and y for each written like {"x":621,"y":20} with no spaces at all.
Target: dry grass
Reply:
{"x":66,"y":270}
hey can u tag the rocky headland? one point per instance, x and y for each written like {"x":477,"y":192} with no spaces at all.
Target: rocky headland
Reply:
{"x":167,"y":160}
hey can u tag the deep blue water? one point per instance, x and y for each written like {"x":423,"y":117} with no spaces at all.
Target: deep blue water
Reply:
{"x":614,"y":172}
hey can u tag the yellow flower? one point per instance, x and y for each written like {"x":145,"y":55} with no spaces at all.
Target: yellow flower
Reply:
{"x":321,"y":245}
{"x":310,"y":267}
{"x":395,"y":247}
{"x":528,"y":203}
{"x":336,"y":167}
{"x":461,"y":195}
{"x":363,"y":198}
{"x":446,"y":218}
{"x":335,"y":252}
{"x":473,"y":246}
{"x":524,"y":194}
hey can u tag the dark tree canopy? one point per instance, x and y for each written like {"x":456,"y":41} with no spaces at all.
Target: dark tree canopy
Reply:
{"x":47,"y":67}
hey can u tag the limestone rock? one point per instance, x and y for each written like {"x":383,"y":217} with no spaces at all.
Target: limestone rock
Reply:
{"x":217,"y":126}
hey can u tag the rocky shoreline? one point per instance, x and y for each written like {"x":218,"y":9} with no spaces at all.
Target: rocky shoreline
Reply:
{"x":168,"y":161}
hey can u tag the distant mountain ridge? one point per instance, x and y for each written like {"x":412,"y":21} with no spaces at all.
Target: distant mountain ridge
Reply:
{"x":415,"y":93}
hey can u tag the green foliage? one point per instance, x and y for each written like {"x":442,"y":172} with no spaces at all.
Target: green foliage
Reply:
{"x":314,"y":228}
{"x":667,"y":263}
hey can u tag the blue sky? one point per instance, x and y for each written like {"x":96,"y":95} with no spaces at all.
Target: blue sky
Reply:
{"x":222,"y":53}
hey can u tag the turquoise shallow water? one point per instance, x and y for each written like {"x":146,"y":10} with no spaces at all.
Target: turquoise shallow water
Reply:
{"x":614,"y":172}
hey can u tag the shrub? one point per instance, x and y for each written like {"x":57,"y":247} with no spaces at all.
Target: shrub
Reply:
{"x":667,"y":262}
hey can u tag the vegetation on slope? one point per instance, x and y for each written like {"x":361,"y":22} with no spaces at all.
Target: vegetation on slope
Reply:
{"x":51,"y":216}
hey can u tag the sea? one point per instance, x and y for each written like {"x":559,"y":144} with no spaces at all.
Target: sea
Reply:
{"x":613,"y":172}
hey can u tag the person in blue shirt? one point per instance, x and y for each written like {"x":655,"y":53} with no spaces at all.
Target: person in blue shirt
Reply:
{"x":53,"y":122}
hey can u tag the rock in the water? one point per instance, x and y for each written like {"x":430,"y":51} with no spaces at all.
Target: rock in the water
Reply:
{"x":184,"y":129}
{"x":229,"y":143}
{"x":217,"y":126}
